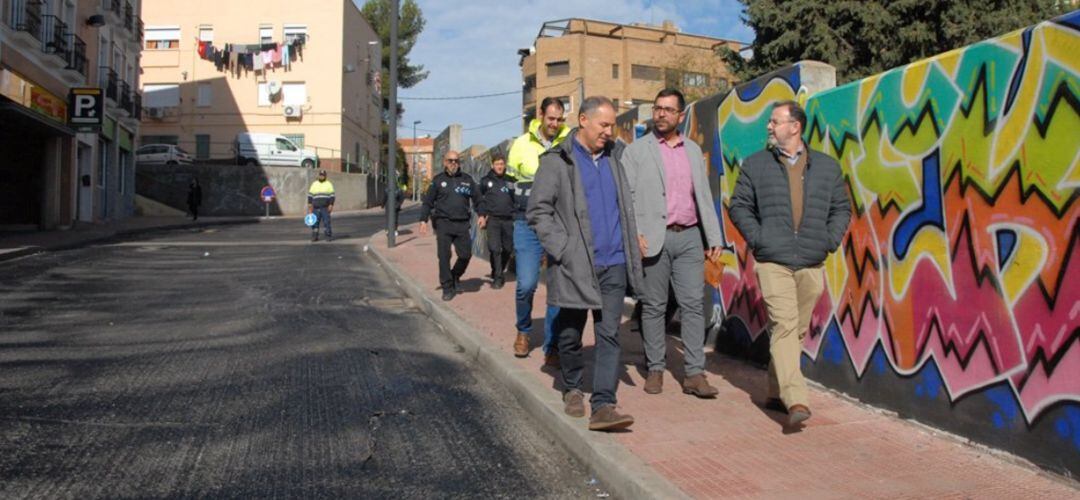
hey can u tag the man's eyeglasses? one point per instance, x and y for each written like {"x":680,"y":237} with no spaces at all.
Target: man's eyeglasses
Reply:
{"x":453,"y":160}
{"x":666,"y":110}
{"x":778,"y":122}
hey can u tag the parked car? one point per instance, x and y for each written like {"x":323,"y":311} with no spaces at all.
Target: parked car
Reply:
{"x":272,"y":149}
{"x":163,"y":154}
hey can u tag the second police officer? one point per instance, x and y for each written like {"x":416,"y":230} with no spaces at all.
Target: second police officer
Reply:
{"x":447,"y":203}
{"x":496,"y":211}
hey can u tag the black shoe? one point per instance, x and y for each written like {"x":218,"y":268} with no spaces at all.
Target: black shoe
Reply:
{"x":457,"y":286}
{"x":447,"y":295}
{"x":329,"y":238}
{"x":497,"y":284}
{"x":314,"y":236}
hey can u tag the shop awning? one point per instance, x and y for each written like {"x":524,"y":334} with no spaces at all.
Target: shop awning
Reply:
{"x":17,"y":117}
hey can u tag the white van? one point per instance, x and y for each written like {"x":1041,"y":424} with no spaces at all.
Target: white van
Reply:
{"x":272,"y":149}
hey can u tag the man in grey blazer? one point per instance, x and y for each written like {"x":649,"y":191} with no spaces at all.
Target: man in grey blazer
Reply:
{"x":677,"y":230}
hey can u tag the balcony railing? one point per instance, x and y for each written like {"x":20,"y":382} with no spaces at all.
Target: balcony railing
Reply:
{"x":126,"y":103}
{"x":141,"y":30}
{"x":76,"y":54}
{"x":107,"y":79}
{"x":52,"y":36}
{"x":129,"y":16}
{"x":25,"y":15}
{"x":136,"y":111}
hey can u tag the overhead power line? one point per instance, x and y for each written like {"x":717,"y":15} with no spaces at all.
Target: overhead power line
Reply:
{"x":481,"y":96}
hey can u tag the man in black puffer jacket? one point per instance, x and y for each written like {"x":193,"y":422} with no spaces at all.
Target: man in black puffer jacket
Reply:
{"x":496,"y":215}
{"x":791,"y":205}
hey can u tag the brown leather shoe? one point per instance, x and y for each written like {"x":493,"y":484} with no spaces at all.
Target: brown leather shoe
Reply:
{"x":574,"y":402}
{"x":654,"y":382}
{"x":552,"y":360}
{"x":798,"y":414}
{"x":521,"y":345}
{"x":607,"y":419}
{"x":699,"y":386}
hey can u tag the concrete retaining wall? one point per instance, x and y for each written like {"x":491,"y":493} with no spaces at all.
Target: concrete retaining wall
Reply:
{"x":234,"y":189}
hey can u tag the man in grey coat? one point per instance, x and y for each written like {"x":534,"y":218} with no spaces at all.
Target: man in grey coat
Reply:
{"x":676,"y":220}
{"x":582,"y":212}
{"x":791,"y":205}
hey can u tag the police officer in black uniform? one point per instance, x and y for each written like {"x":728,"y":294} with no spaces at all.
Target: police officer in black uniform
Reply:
{"x":496,"y":211}
{"x":447,"y":203}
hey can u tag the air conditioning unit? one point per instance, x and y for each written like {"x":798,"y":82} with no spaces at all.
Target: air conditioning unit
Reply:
{"x":155,"y":112}
{"x":292,"y":111}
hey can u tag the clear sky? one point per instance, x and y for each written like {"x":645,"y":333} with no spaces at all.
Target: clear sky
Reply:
{"x":470,"y":47}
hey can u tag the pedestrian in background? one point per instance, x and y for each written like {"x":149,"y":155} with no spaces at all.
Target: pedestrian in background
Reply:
{"x":194,"y":198}
{"x":582,"y":211}
{"x":545,"y":133}
{"x":678,"y":229}
{"x":791,"y":205}
{"x":496,"y":211}
{"x":321,"y":202}
{"x":448,"y":203}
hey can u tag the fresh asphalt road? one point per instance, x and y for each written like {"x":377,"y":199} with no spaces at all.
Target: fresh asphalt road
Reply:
{"x":245,"y":361}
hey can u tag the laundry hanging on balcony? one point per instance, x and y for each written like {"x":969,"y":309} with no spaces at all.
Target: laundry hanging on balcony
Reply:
{"x":239,"y":59}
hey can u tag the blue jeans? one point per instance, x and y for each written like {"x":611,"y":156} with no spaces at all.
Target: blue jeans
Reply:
{"x":323,"y":219}
{"x":606,"y":350}
{"x":528,"y":254}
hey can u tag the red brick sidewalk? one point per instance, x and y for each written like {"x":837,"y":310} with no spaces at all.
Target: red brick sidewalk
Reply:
{"x":730,"y":447}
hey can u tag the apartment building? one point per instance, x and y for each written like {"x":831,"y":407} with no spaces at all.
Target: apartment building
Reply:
{"x":54,"y":173}
{"x":629,"y":63}
{"x":307,"y":71}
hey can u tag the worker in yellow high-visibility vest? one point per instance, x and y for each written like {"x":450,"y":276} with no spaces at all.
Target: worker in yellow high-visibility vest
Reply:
{"x":320,"y":200}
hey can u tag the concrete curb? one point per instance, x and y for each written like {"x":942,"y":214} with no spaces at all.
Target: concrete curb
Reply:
{"x":102,"y":238}
{"x":622,"y":472}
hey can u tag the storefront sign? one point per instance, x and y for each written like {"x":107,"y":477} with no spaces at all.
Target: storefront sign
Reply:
{"x":32,"y":95}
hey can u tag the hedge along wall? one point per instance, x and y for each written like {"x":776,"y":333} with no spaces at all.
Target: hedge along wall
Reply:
{"x":950,"y":300}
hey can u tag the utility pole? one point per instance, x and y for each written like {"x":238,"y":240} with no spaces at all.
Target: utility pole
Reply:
{"x":415,"y":167}
{"x":391,"y":146}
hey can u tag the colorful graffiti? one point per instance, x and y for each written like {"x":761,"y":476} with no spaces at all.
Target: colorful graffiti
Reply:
{"x":964,"y":171}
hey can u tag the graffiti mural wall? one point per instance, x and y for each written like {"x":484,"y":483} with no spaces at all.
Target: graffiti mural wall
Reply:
{"x":955,"y":299}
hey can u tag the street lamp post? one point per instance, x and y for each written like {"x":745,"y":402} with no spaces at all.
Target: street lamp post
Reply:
{"x":391,"y":143}
{"x":415,"y":167}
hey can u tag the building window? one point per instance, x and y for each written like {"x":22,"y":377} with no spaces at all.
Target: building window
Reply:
{"x":294,"y":93}
{"x":162,"y":37}
{"x":565,"y":100}
{"x":264,"y":94}
{"x":695,"y":80}
{"x":295,"y":32}
{"x":202,"y":146}
{"x":559,"y":68}
{"x":161,"y":95}
{"x":266,"y":34}
{"x":206,"y":33}
{"x":615,"y":71}
{"x":125,"y":159}
{"x":206,"y":95}
{"x":298,"y":139}
{"x":103,"y":163}
{"x":643,"y":72}
{"x":160,"y":139}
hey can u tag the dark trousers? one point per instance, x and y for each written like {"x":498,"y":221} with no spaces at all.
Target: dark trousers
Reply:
{"x":194,"y":210}
{"x":500,"y":240}
{"x":323,"y":219}
{"x":569,"y":325}
{"x":456,"y":233}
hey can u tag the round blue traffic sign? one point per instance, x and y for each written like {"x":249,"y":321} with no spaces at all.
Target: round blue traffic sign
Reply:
{"x":311,"y":219}
{"x":267,"y":193}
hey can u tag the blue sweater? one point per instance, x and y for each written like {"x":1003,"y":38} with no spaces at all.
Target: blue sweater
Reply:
{"x":602,"y":199}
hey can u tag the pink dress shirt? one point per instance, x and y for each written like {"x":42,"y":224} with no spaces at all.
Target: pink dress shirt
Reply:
{"x":678,"y":184}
